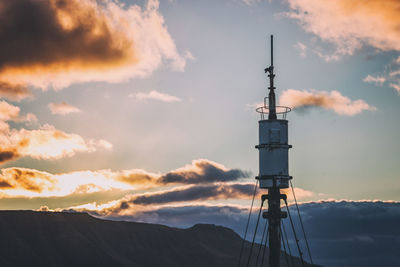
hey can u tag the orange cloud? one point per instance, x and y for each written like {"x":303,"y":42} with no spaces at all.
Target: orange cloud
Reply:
{"x":14,"y":92}
{"x":81,"y":41}
{"x":44,"y":143}
{"x":25,"y":179}
{"x":205,"y":195}
{"x":62,"y":108}
{"x":7,"y":154}
{"x":350,"y":24}
{"x":200,"y":173}
{"x":328,"y":100}
{"x":118,"y":193}
{"x":28,"y":183}
{"x":10,"y":112}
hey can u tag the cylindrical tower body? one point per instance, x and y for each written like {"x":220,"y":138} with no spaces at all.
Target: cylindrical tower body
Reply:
{"x":273,"y":153}
{"x":273,"y":163}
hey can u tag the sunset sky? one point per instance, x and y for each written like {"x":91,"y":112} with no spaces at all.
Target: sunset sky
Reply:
{"x":129,"y":108}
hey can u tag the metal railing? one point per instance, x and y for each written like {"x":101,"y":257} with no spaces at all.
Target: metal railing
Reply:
{"x":280,"y":110}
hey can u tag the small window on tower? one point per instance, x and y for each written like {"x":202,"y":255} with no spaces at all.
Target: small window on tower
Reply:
{"x":274,"y":136}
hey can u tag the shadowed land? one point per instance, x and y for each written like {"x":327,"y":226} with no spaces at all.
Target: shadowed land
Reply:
{"x":30,"y":238}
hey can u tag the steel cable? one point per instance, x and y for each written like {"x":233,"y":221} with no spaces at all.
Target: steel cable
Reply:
{"x":284,"y":247}
{"x":287,"y":242}
{"x":301,"y":223}
{"x":261,"y":243}
{"x":247,"y":225}
{"x":265,"y":247}
{"x":255,"y":233}
{"x":295,"y":236}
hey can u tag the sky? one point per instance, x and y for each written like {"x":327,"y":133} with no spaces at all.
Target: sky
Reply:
{"x":145,"y":110}
{"x":124,"y":108}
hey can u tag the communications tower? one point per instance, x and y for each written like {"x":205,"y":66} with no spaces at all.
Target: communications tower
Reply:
{"x":273,"y":176}
{"x":273,"y":162}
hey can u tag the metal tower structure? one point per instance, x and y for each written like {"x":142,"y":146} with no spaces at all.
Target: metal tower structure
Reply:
{"x":273,"y":176}
{"x":273,"y":163}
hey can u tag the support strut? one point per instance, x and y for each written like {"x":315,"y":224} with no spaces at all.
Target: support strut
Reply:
{"x":274,"y":216}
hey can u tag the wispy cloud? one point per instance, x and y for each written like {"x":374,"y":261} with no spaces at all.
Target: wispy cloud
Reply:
{"x":155,"y":95}
{"x":379,"y":80}
{"x":251,"y":2}
{"x":394,"y":73}
{"x":332,"y":100}
{"x":81,"y":41}
{"x":396,"y":86}
{"x":302,"y":48}
{"x":62,"y":108}
{"x":390,"y":76}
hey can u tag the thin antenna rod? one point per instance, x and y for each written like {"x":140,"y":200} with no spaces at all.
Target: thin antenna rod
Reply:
{"x":271,"y":75}
{"x":272,"y":50}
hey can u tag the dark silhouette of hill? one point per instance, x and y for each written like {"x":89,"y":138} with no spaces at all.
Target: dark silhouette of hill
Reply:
{"x":30,"y":238}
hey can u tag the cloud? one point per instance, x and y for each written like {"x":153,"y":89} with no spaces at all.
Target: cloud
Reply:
{"x":189,"y":215}
{"x":394,"y":73}
{"x":62,"y":108}
{"x":10,"y":112}
{"x":84,"y":182}
{"x":81,"y":41}
{"x":44,"y":208}
{"x":378,"y":80}
{"x":395,"y":86}
{"x":46,"y":142}
{"x":193,"y":193}
{"x":328,"y":100}
{"x":349,"y":25}
{"x":154,"y":95}
{"x":142,"y":189}
{"x":299,"y":192}
{"x":302,"y":48}
{"x":14,"y":92}
{"x":31,"y":183}
{"x":251,"y":2}
{"x":137,"y":178}
{"x":351,"y":229}
{"x":8,"y":154}
{"x":25,"y":179}
{"x":202,"y":171}
{"x":390,"y":76}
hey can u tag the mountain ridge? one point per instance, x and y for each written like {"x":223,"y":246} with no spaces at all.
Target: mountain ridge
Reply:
{"x":37,"y":238}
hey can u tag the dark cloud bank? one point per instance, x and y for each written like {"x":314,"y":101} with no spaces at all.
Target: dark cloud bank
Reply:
{"x":342,"y":233}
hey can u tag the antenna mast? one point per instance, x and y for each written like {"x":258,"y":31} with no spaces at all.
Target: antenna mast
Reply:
{"x":271,"y":75}
{"x":273,"y":176}
{"x":274,"y":164}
